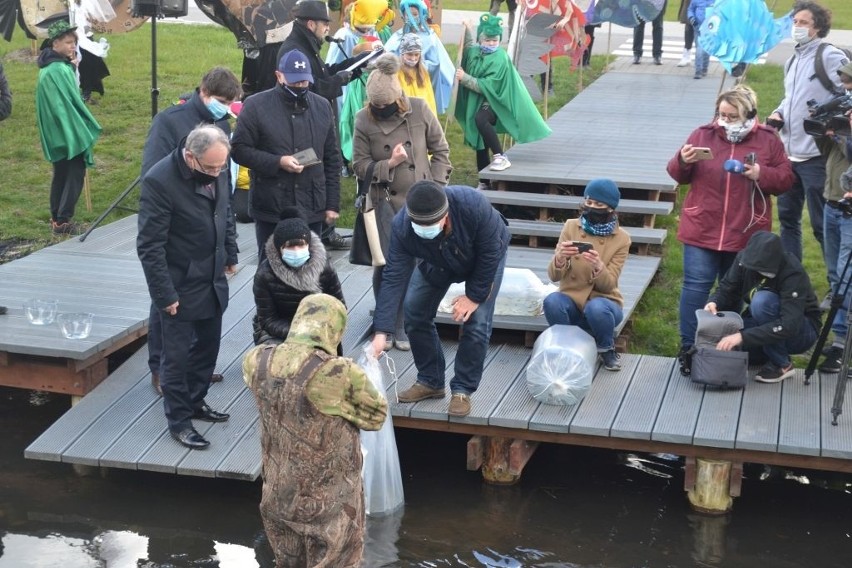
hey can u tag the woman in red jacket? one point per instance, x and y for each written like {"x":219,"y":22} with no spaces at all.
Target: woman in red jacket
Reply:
{"x":732,"y":165}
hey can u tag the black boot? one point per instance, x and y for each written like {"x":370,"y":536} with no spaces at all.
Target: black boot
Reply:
{"x":684,"y":357}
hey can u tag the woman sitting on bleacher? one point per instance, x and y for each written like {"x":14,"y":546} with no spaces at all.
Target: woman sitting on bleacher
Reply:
{"x":732,"y":165}
{"x":587,"y":263}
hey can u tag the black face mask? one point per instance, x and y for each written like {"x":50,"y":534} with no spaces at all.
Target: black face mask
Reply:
{"x":386,"y":112}
{"x":203,"y":178}
{"x":597,"y":216}
{"x":295,"y":95}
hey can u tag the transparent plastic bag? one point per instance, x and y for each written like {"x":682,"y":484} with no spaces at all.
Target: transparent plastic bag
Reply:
{"x":382,"y":476}
{"x":562,"y":365}
{"x":521,"y":293}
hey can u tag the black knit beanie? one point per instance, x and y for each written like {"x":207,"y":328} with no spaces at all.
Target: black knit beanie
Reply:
{"x":426,"y":202}
{"x":291,"y":227}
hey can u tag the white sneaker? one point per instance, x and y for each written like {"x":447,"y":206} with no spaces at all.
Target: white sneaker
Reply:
{"x":685,"y":60}
{"x":499,"y":163}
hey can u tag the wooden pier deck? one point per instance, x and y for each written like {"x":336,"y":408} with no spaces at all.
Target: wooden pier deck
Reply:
{"x":647,"y":406}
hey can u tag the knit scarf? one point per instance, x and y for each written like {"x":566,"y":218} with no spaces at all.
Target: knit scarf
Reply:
{"x":599,"y":229}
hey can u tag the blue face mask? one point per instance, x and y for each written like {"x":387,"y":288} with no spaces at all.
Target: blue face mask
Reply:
{"x":427,"y":232}
{"x":217,"y":109}
{"x":295,"y":258}
{"x":486,"y":49}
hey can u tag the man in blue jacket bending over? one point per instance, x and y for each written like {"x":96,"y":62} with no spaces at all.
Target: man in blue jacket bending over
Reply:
{"x":451,"y":235}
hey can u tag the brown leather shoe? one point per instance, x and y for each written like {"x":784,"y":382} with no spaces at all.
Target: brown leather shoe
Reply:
{"x":216,"y":378}
{"x":155,"y":382}
{"x":419,"y":391}
{"x":459,"y":405}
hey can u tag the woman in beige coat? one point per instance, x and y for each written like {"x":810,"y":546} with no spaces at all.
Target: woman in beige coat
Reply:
{"x":587,"y":264}
{"x":404,"y":141}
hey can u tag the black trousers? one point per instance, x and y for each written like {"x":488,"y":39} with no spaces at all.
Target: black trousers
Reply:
{"x":190,"y":349}
{"x":66,"y":187}
{"x":656,"y":35}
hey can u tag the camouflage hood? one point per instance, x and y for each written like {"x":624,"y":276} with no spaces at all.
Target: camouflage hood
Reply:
{"x":319,"y":322}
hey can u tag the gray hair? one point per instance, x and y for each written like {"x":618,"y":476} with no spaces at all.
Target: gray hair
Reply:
{"x":203,"y":137}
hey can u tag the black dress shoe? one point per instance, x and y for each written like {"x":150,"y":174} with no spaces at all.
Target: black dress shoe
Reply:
{"x":207,"y":414}
{"x":216,"y":378}
{"x":190,"y":438}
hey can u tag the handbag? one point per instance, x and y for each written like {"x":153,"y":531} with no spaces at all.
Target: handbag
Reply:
{"x":361,"y":251}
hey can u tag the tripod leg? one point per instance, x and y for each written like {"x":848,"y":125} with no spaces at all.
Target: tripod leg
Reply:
{"x":840,"y":391}
{"x":109,"y":209}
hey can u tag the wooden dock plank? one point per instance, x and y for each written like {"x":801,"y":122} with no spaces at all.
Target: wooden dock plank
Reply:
{"x":759,"y":416}
{"x":500,"y":373}
{"x":799,"y":431}
{"x":718,"y":418}
{"x":641,"y":404}
{"x":244,"y":461}
{"x":600,"y":407}
{"x":836,"y":439}
{"x":679,"y":411}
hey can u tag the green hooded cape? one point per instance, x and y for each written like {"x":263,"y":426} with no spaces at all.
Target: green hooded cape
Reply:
{"x":503,"y":89}
{"x":66,"y":127}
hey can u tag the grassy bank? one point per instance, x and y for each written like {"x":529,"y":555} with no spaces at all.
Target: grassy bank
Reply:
{"x":184,"y":53}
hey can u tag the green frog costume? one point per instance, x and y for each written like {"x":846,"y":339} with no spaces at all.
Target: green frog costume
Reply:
{"x":495,"y":81}
{"x":312,"y":404}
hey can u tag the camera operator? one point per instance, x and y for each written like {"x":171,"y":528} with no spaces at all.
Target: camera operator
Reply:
{"x":811,"y":24}
{"x":837,"y":228}
{"x":728,"y":200}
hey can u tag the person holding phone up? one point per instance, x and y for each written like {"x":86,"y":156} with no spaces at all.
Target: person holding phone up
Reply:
{"x":586,"y":265}
{"x":728,"y":198}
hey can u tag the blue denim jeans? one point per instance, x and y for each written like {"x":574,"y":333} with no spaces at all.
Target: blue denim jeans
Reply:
{"x":702,"y":60}
{"x":421,"y":305}
{"x":765,"y":307}
{"x":808,"y":188}
{"x":838,"y":246}
{"x":701,"y":268}
{"x":599,"y":317}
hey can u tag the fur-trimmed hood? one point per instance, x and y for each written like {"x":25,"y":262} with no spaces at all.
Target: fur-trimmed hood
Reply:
{"x":307,"y":276}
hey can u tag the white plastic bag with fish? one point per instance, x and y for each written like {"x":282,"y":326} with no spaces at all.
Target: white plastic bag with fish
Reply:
{"x":562,"y":365}
{"x":522,"y":293}
{"x":382,"y":476}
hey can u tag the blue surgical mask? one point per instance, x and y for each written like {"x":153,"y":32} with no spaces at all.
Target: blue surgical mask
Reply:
{"x":217,"y":109}
{"x":295,"y":258}
{"x":486,"y":49}
{"x":427,"y":232}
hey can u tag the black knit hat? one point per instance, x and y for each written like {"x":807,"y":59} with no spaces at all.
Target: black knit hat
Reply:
{"x":426,"y":202}
{"x":291,"y":227}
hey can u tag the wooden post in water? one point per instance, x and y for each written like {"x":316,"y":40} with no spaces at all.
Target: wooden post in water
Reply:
{"x":712,"y":484}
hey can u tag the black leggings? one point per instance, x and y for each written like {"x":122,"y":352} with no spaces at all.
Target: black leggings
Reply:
{"x":66,"y":187}
{"x":688,"y":36}
{"x":485,"y":121}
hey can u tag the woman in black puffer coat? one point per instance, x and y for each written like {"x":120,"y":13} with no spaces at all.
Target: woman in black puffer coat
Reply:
{"x":296,"y":265}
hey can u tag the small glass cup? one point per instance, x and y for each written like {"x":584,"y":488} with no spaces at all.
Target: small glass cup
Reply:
{"x":40,"y":312}
{"x":76,"y":326}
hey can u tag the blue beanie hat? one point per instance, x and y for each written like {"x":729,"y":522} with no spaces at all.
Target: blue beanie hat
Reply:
{"x":603,"y":190}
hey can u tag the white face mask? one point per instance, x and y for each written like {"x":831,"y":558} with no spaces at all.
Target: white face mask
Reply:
{"x":800,"y":35}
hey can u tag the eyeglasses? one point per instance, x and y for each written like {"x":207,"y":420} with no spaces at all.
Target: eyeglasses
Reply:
{"x":211,"y":170}
{"x":729,"y":117}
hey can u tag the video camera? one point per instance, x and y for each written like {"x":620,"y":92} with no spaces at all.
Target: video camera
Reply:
{"x":830,"y":115}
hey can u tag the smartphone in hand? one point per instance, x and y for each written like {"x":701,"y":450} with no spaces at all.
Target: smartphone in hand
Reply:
{"x":582,"y":246}
{"x":702,"y":153}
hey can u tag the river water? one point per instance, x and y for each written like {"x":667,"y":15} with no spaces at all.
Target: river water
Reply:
{"x":574,"y":507}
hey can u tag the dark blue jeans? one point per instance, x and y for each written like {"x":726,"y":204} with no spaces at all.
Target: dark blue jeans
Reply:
{"x":808,"y":188}
{"x":838,"y":247}
{"x":599,"y":317}
{"x":765,"y":308}
{"x":656,"y":35}
{"x":421,"y":305}
{"x":701,"y":268}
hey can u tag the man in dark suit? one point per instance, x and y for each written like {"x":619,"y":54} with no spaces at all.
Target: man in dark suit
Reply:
{"x":207,"y":105}
{"x":187,"y":244}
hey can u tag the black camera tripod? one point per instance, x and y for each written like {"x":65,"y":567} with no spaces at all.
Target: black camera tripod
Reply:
{"x":836,"y":303}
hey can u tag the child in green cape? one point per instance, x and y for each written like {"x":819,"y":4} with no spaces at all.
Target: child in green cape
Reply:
{"x":492,"y":98}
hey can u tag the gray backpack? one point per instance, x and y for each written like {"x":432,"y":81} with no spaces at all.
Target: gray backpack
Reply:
{"x":711,"y":367}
